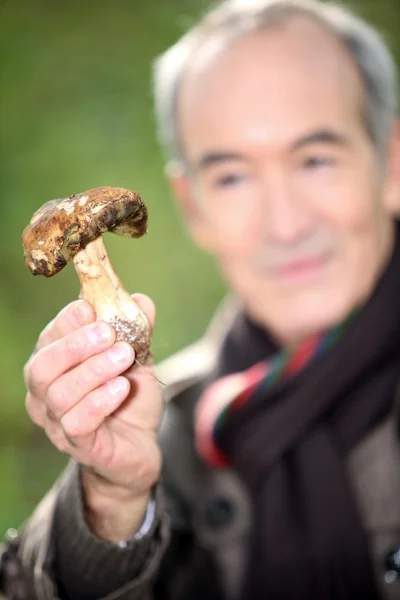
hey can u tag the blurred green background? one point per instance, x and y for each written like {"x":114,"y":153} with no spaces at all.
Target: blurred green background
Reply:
{"x":76,"y":113}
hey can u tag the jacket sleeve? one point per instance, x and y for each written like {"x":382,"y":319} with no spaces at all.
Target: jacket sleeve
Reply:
{"x":57,"y":557}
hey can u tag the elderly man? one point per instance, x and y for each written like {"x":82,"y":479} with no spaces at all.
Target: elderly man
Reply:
{"x":280,"y":441}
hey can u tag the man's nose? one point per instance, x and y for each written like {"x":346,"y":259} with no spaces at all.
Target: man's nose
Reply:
{"x":285,"y":215}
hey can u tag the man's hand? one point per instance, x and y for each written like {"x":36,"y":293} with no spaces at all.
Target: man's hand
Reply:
{"x":102,"y":411}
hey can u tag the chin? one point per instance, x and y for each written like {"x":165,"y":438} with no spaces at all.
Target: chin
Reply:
{"x":293,"y":318}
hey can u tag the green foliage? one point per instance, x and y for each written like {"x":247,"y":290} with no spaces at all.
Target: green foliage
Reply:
{"x":76,"y":113}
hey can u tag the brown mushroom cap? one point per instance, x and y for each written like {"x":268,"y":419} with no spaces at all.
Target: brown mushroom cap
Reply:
{"x":60,"y":228}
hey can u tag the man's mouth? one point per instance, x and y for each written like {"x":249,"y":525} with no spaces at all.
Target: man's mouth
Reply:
{"x":300,"y":271}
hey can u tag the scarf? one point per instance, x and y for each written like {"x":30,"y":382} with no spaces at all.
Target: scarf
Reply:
{"x":286,"y":421}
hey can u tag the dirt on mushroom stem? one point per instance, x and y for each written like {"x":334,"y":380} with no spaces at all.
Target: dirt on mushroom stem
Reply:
{"x":101,"y":287}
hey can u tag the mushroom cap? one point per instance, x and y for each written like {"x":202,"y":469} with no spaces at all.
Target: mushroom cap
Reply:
{"x":60,"y":228}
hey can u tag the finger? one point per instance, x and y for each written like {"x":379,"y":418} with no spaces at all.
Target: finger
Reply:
{"x":88,"y":415}
{"x":55,"y":359}
{"x":34,"y":410}
{"x":69,"y":389}
{"x":71,"y":317}
{"x":148,"y":307}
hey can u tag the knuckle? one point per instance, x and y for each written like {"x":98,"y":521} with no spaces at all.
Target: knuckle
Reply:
{"x":35,"y":374}
{"x":72,"y":429}
{"x":27,"y":373}
{"x":62,"y":444}
{"x":35,"y":412}
{"x":29,"y":404}
{"x":45,"y":335}
{"x":56,"y":399}
{"x":50,"y":414}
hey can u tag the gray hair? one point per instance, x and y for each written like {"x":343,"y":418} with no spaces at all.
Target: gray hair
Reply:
{"x":233,"y":19}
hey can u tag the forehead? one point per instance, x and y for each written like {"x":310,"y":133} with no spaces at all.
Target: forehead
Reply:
{"x":269,"y":85}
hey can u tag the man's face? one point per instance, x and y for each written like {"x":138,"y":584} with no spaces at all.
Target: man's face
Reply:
{"x":282,"y":184}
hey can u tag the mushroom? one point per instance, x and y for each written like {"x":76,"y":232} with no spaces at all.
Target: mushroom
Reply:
{"x":72,"y":228}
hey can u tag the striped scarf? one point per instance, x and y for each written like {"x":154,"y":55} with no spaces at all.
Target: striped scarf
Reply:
{"x":228,"y":394}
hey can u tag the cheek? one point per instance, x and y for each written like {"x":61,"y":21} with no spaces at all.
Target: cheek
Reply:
{"x":233,"y":230}
{"x":346,"y":197}
{"x":355,"y":216}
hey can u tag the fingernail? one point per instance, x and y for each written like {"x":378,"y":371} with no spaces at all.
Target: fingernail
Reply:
{"x":120,"y":353}
{"x":117,"y":386}
{"x":99,"y":333}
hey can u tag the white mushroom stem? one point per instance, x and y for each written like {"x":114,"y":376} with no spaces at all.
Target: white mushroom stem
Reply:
{"x":101,"y":287}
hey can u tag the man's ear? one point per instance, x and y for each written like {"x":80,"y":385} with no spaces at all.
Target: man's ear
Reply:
{"x":392,"y":195}
{"x":195,"y":221}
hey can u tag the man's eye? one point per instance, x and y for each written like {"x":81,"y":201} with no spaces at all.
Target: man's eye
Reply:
{"x":317,"y":162}
{"x":229,"y":180}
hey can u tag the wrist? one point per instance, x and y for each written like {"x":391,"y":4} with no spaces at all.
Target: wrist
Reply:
{"x":113,"y":513}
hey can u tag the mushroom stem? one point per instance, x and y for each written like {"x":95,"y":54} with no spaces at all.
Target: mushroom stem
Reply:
{"x":101,"y":287}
